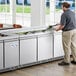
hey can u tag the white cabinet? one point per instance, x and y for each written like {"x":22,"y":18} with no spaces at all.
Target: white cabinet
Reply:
{"x":1,"y":55}
{"x":11,"y":53}
{"x":28,"y":50}
{"x":45,"y":47}
{"x":58,"y":48}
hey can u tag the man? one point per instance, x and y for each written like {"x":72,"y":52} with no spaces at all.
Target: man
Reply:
{"x":68,"y":27}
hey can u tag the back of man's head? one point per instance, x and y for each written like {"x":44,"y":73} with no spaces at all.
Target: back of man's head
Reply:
{"x":66,"y":4}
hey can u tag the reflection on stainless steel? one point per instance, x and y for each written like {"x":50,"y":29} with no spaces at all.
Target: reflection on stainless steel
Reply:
{"x":5,"y":28}
{"x":3,"y":35}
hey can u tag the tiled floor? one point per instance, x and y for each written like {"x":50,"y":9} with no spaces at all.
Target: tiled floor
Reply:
{"x":47,"y":69}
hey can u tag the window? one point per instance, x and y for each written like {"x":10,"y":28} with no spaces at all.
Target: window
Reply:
{"x":23,"y":12}
{"x":47,"y":10}
{"x":59,"y":3}
{"x":58,"y":10}
{"x":5,"y":13}
{"x":50,"y":6}
{"x":23,"y":9}
{"x":54,"y":11}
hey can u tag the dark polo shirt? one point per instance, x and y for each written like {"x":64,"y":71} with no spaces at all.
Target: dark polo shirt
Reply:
{"x":68,"y":20}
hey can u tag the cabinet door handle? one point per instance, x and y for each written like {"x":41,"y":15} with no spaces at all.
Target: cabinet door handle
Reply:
{"x":13,"y":45}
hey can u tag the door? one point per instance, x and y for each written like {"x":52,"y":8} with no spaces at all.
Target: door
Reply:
{"x":45,"y":47}
{"x":11,"y":53}
{"x":1,"y":55}
{"x":58,"y":48}
{"x":28,"y":50}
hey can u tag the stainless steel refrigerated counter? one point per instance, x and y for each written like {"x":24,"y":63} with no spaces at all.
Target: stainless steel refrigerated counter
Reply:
{"x":25,"y":47}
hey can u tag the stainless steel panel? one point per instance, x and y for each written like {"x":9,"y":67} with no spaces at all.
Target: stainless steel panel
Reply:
{"x":11,"y":54}
{"x":11,"y":40}
{"x":45,"y":47}
{"x":27,"y":37}
{"x":58,"y":48}
{"x":1,"y":55}
{"x":27,"y":51}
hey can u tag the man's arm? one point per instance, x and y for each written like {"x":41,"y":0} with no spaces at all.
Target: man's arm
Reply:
{"x":58,"y":27}
{"x":62,"y":23}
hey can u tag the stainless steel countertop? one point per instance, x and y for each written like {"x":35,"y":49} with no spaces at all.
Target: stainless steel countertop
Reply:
{"x":34,"y":31}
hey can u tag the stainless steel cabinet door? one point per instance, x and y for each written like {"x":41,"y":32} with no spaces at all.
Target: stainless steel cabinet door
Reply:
{"x":11,"y":54}
{"x":27,"y":51}
{"x":1,"y":55}
{"x":58,"y":48}
{"x":45,"y":47}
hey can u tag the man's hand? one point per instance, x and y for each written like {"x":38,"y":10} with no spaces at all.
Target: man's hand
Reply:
{"x":58,"y":27}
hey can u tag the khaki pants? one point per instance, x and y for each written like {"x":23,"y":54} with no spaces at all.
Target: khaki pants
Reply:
{"x":69,"y":44}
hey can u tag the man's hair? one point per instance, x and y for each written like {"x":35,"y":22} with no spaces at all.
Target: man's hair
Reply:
{"x":66,"y":5}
